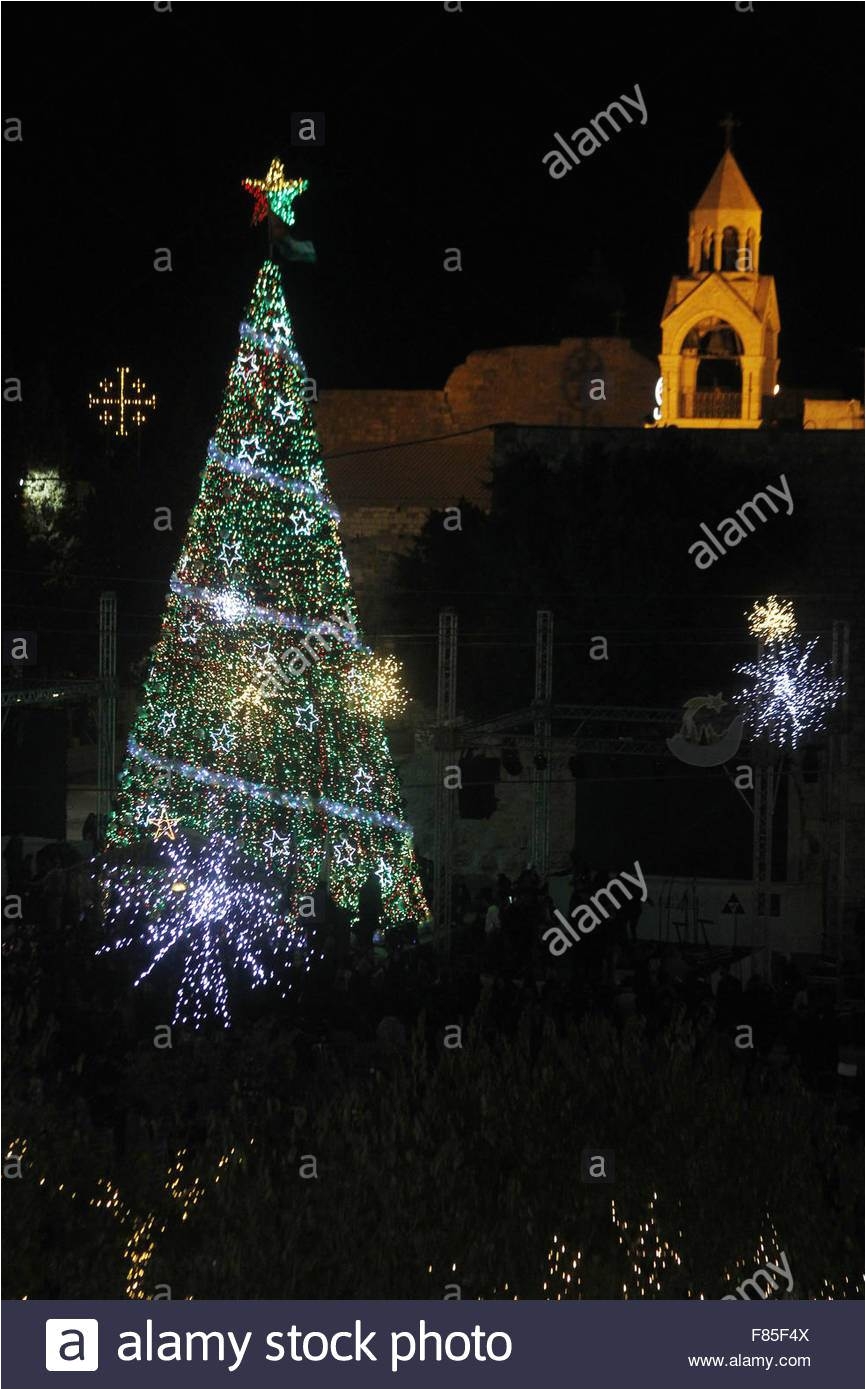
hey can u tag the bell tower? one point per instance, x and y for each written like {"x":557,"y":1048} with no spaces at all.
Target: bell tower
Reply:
{"x":720,"y":327}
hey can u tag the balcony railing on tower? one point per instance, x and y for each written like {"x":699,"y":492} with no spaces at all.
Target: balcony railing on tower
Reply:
{"x":711,"y":405}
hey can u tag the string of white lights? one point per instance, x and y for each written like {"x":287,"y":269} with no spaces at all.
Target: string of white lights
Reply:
{"x":231,"y":606}
{"x":232,"y":464}
{"x":270,"y":343}
{"x":259,"y":791}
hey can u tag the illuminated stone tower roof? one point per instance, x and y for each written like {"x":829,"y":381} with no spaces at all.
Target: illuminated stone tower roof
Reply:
{"x":727,"y":190}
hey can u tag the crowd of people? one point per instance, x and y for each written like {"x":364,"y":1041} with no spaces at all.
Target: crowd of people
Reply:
{"x":369,"y":981}
{"x":50,"y":889}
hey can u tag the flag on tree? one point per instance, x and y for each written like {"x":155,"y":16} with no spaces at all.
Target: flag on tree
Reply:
{"x":260,"y":751}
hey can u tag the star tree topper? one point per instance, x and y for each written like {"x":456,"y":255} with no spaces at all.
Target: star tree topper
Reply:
{"x":275,"y":193}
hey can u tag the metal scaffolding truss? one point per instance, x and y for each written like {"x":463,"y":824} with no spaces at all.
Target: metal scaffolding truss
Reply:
{"x":65,"y":692}
{"x":107,"y":710}
{"x":581,"y":736}
{"x":445,"y":743}
{"x":625,"y":730}
{"x":838,"y":794}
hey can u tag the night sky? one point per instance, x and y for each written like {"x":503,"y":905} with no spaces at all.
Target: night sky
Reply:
{"x":139,"y":127}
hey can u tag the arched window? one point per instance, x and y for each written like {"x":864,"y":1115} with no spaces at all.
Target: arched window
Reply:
{"x":730,"y":247}
{"x":707,"y":248}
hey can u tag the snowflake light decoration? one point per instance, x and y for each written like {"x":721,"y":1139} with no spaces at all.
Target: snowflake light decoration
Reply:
{"x":790,"y":694}
{"x":204,"y":911}
{"x":773,"y":620}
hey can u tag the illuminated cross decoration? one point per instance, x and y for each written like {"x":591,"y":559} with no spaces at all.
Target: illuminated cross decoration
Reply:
{"x":729,"y":125}
{"x":122,"y":402}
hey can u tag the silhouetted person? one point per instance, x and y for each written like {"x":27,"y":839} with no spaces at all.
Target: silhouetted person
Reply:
{"x":729,"y":994}
{"x":631,"y":912}
{"x":369,"y":910}
{"x":674,"y":969}
{"x":492,"y":918}
{"x":759,"y":1009}
{"x":90,"y":832}
{"x":14,"y":856}
{"x":321,"y":903}
{"x":52,"y":888}
{"x":290,"y":883}
{"x":461,"y":902}
{"x":821,"y":1051}
{"x":646,"y":985}
{"x":341,"y":934}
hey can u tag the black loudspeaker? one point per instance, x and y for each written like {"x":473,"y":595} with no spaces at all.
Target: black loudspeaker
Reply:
{"x":477,"y":794}
{"x":34,"y":773}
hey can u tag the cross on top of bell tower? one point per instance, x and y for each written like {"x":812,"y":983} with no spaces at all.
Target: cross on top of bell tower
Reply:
{"x":729,"y":124}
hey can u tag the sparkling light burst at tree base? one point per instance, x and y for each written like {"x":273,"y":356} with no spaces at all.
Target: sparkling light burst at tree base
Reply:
{"x":271,"y":777}
{"x":206,"y":913}
{"x":790,"y":695}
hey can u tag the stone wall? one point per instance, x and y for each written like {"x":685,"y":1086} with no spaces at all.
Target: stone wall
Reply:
{"x":832,"y":415}
{"x":579,"y":382}
{"x":394,"y":456}
{"x":348,"y":419}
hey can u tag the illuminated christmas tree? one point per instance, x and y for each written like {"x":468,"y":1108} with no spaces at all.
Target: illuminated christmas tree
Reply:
{"x":261,"y":740}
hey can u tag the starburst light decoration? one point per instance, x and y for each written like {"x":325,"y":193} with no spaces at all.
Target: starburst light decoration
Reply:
{"x":790,"y":695}
{"x":205,"y":913}
{"x":376,"y":685}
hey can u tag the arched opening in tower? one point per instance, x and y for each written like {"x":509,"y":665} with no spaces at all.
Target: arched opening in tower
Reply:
{"x":715,"y":391}
{"x":730,"y":248}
